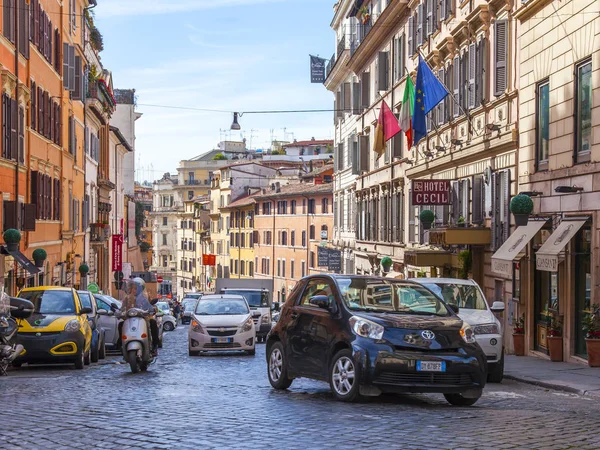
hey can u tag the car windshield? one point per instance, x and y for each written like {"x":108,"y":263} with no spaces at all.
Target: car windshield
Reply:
{"x":51,"y":302}
{"x":222,"y":307}
{"x":86,"y":299}
{"x":109,"y":300}
{"x":163,"y":306}
{"x":465,"y":296}
{"x":193,"y":296}
{"x":389,"y":296}
{"x":190,"y":305}
{"x":254,"y":298}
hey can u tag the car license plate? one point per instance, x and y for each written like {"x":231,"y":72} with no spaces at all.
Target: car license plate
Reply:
{"x":431,"y":366}
{"x":222,"y":340}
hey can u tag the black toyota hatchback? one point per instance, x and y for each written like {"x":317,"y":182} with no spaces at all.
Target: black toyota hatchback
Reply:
{"x":369,"y":335}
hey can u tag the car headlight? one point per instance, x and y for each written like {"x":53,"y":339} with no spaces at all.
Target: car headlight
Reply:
{"x":366,"y":328}
{"x":467,"y":334}
{"x":197,"y":327}
{"x":72,"y":325}
{"x":488,"y":328}
{"x":248,"y":325}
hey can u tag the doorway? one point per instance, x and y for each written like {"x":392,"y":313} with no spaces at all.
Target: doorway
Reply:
{"x":546,"y":303}
{"x":582,"y":283}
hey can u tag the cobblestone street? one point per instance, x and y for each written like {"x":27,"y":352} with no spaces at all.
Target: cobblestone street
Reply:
{"x":227,"y":402}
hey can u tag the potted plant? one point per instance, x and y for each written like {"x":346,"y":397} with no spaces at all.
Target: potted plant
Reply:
{"x":519,"y":336}
{"x":554,"y":338}
{"x":461,"y":221}
{"x":427,"y":217}
{"x":591,"y":328}
{"x":364,"y":13}
{"x":12,"y":238}
{"x":521,"y":207}
{"x":386,"y":263}
{"x":39,"y":256}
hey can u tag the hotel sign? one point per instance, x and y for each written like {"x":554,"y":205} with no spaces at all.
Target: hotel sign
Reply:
{"x":117,"y":252}
{"x":431,"y":192}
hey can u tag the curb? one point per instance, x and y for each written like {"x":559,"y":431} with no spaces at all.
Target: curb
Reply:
{"x":552,"y":386}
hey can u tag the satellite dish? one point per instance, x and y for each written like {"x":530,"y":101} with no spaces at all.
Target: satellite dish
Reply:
{"x":487,"y":175}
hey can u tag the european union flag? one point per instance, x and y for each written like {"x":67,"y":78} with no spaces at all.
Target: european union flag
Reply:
{"x":429,"y":91}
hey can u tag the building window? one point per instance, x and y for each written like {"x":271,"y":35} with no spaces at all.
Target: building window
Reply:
{"x":164,"y":239}
{"x":250,"y":269}
{"x":543,"y":125}
{"x":312,"y":232}
{"x":303,"y":267}
{"x":303,"y":238}
{"x":283,"y":268}
{"x":164,"y":261}
{"x":325,"y":206}
{"x":293,"y":207}
{"x":311,"y":206}
{"x":583,"y":111}
{"x":190,"y":195}
{"x":165,"y":222}
{"x":284,"y":238}
{"x":324,"y":232}
{"x":292,"y":269}
{"x":266,"y":208}
{"x":292,"y":238}
{"x":312,"y":259}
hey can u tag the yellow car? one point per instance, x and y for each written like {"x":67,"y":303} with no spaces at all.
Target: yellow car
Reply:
{"x":58,"y":331}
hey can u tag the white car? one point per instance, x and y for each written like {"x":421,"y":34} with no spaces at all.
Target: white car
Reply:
{"x":474,"y":309}
{"x":221,"y":322}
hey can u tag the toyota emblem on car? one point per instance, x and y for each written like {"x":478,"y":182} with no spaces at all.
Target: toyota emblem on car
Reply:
{"x":428,"y":335}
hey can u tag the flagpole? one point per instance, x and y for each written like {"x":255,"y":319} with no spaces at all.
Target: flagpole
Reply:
{"x":466,"y":113}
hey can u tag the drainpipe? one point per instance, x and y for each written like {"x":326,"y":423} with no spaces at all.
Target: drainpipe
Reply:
{"x":239,"y":244}
{"x":17,"y":125}
{"x":273,"y":243}
{"x":307,"y":235}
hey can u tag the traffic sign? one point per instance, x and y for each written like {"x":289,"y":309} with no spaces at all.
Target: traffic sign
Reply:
{"x":159,"y":279}
{"x":93,"y":288}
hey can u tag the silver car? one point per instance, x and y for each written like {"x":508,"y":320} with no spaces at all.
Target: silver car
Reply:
{"x":222,"y":322}
{"x":169,"y":322}
{"x":109,"y":322}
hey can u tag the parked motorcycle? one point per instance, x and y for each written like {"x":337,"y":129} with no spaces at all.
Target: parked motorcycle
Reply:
{"x":136,"y":340}
{"x":11,"y":308}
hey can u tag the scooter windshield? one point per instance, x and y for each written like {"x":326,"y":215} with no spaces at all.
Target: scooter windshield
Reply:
{"x":135,"y":295}
{"x":4,"y":304}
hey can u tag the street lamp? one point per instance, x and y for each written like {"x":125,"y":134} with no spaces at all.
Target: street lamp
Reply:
{"x":235,"y":125}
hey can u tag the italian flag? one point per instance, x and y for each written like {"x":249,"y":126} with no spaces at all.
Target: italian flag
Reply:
{"x":406,"y":110}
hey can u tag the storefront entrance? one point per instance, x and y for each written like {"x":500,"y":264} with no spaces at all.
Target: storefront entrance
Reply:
{"x":582,"y":283}
{"x":546,"y":304}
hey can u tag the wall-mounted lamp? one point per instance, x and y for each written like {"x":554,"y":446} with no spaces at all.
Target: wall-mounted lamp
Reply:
{"x":531,"y":193}
{"x":492,"y":127}
{"x":405,"y":161}
{"x":567,"y":189}
{"x":457,"y":142}
{"x":440,"y":149}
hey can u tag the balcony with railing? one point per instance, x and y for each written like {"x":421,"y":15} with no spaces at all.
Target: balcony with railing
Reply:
{"x":100,"y":98}
{"x":99,"y":232}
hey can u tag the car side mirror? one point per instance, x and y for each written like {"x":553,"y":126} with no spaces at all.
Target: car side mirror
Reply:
{"x":114,"y":307}
{"x":497,"y":307}
{"x":111,"y":313}
{"x":102,"y":312}
{"x":275,"y":306}
{"x":320,"y":301}
{"x":85,"y":310}
{"x":20,"y":308}
{"x":453,"y":307}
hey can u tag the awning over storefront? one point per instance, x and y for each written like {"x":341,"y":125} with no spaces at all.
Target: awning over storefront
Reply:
{"x":547,"y":257}
{"x":502,"y":260}
{"x":22,"y":260}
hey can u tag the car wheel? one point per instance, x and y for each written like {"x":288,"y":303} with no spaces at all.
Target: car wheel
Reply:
{"x":80,"y":361}
{"x":497,"y":373}
{"x":133,"y":361}
{"x":88,"y":356}
{"x":193,"y":353}
{"x":168,"y":326}
{"x":344,"y":377}
{"x":102,"y":350}
{"x":95,"y":352}
{"x":252,"y":352}
{"x":278,"y":367}
{"x":460,"y":400}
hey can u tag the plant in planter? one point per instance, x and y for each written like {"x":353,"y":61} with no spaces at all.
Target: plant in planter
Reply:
{"x":364,"y":13}
{"x":519,"y":335}
{"x":39,"y":256}
{"x":12,"y":238}
{"x":591,"y":328}
{"x":554,"y":338}
{"x":386,"y":263}
{"x":427,"y":217}
{"x":521,"y":207}
{"x":466,"y":262}
{"x":461,"y":221}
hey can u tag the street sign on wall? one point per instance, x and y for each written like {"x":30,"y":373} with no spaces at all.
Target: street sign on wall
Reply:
{"x":322,"y":256}
{"x":317,"y":69}
{"x":431,"y":192}
{"x":117,"y":252}
{"x":330,"y":258}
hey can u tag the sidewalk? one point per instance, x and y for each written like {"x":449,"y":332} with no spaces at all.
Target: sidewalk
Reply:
{"x":576,"y":378}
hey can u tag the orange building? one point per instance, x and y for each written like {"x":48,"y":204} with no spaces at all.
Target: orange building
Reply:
{"x":42,"y":65}
{"x":290,"y":223}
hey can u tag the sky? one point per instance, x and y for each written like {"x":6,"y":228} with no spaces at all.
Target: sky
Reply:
{"x":231,"y":55}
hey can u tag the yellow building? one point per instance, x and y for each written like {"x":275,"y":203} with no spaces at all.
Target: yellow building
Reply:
{"x":220,"y":197}
{"x":241,"y":237}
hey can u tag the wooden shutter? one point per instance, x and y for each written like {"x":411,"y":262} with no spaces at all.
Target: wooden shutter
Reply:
{"x":472,"y":67}
{"x":464,"y":80}
{"x":14,"y":137}
{"x":456,"y":87}
{"x":36,"y":24}
{"x":506,"y":205}
{"x":420,"y":18}
{"x":34,"y":191}
{"x":454,"y":187}
{"x":411,"y":218}
{"x":429,"y":16}
{"x":449,"y":4}
{"x":21,"y":134}
{"x":8,"y":18}
{"x":40,"y":108}
{"x":10,"y":218}
{"x":340,"y":155}
{"x":33,"y":107}
{"x":65,"y":72}
{"x":28,"y":221}
{"x":500,"y":46}
{"x":411,"y":34}
{"x":355,"y":157}
{"x":50,"y":43}
{"x":355,"y":98}
{"x":347,"y":94}
{"x":478,"y":206}
{"x":5,"y":127}
{"x":397,"y":144}
{"x":383,"y":71}
{"x":466,"y":199}
{"x":482,"y":73}
{"x":339,"y":110}
{"x":77,"y":89}
{"x":401,"y":56}
{"x":448,"y":101}
{"x":365,"y":95}
{"x":443,"y":6}
{"x":71,"y":68}
{"x":24,"y":22}
{"x":363,"y":151}
{"x":57,"y":50}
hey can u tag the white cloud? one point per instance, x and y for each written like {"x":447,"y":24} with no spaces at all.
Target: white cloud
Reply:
{"x":111,"y":8}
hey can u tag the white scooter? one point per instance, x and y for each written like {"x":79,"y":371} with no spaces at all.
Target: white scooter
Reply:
{"x":136,"y":338}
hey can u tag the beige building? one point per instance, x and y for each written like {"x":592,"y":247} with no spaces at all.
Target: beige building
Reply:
{"x":558,"y":70}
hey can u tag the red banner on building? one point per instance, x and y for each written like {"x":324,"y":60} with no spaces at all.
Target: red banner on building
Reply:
{"x":209,"y":260}
{"x":431,"y":192}
{"x":117,"y":252}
